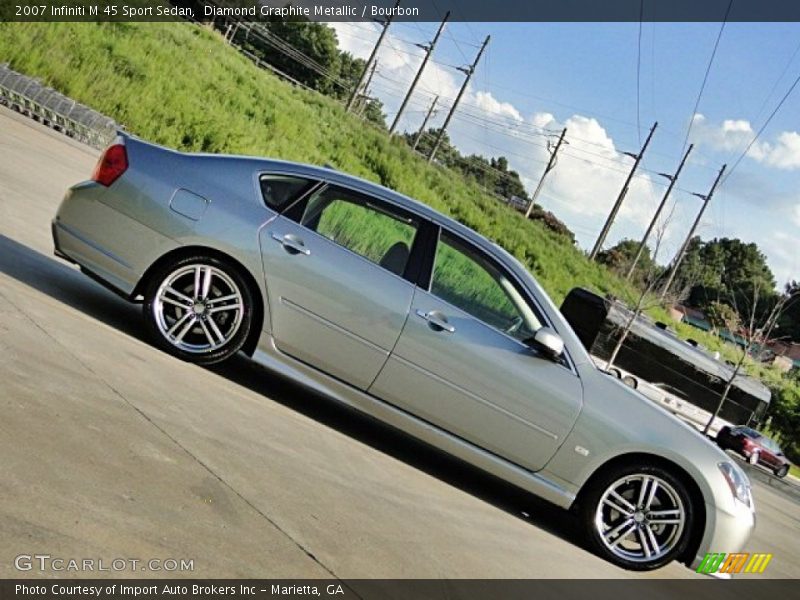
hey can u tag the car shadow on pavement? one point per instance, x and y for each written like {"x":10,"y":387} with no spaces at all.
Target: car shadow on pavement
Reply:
{"x":403,"y":447}
{"x":67,"y":284}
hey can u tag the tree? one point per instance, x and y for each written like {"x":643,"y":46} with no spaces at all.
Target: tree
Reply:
{"x":446,"y":154}
{"x":789,"y":322}
{"x":722,"y":316}
{"x":723,"y":267}
{"x":619,"y":258}
{"x":755,"y":330}
{"x":373,"y":112}
{"x":350,"y":69}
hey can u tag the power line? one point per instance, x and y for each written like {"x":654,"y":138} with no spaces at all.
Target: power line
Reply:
{"x":761,"y":130}
{"x":778,"y":80}
{"x":705,"y":77}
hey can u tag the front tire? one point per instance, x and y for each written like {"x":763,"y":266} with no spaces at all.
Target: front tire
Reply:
{"x":639,"y":517}
{"x":782,"y":472}
{"x":199,"y":309}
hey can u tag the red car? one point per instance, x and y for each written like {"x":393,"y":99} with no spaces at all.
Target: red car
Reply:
{"x":755,"y":447}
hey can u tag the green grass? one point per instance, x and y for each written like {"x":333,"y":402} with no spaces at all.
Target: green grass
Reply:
{"x":794,"y":470}
{"x":179,"y":85}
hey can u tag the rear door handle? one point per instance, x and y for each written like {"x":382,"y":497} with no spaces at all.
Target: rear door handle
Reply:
{"x":436,"y":320}
{"x":292,"y":244}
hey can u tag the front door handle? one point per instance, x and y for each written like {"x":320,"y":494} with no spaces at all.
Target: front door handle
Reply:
{"x":436,"y":320}
{"x":292,"y":244}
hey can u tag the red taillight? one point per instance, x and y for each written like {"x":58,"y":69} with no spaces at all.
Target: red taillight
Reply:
{"x":111,"y":165}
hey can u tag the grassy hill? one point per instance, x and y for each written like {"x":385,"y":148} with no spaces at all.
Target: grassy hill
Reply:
{"x":180,"y":85}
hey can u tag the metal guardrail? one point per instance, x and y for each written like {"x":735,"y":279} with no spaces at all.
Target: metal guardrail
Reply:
{"x":29,"y":97}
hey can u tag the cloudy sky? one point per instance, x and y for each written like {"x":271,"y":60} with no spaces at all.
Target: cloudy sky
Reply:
{"x":607,"y":84}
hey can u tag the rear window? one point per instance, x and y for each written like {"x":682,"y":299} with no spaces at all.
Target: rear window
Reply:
{"x":751,"y":433}
{"x":279,"y":191}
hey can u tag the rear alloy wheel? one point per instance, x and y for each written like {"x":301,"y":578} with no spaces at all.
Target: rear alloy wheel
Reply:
{"x":753,"y":458}
{"x":782,"y":471}
{"x":199,"y":309}
{"x":638,"y":517}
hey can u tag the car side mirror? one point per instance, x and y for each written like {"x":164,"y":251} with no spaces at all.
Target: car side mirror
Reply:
{"x":548,"y":342}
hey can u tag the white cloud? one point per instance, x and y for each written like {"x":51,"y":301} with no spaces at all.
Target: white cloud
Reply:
{"x":489,"y":103}
{"x":783,"y":261}
{"x":733,"y":135}
{"x":590,"y":170}
{"x":542,"y":120}
{"x":796,"y":214}
{"x":784,"y":153}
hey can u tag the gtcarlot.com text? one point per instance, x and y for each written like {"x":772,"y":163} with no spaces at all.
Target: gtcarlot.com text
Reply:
{"x":57,"y":564}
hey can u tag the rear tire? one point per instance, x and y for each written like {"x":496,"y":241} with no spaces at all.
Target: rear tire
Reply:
{"x":753,"y":458}
{"x":199,"y":309}
{"x":639,"y":517}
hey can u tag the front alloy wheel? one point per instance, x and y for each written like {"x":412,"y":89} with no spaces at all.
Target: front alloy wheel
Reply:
{"x":639,"y":518}
{"x":199,"y":309}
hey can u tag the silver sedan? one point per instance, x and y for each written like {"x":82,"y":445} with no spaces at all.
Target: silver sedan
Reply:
{"x":385,"y":305}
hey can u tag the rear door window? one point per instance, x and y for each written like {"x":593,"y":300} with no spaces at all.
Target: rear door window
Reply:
{"x":375,"y":230}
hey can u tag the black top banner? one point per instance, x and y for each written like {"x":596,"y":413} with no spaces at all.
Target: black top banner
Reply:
{"x":405,"y":10}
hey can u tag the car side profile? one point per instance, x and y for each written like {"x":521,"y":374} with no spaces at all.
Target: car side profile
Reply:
{"x":757,"y":448}
{"x":383,"y":304}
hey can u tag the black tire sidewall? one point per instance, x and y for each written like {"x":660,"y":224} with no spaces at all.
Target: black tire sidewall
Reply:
{"x":588,"y":506}
{"x":220,"y":354}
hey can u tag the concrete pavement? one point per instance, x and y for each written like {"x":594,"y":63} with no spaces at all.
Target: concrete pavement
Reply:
{"x":111,"y":449}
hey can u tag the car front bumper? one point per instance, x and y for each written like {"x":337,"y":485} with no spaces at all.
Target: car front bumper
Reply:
{"x":726,"y":530}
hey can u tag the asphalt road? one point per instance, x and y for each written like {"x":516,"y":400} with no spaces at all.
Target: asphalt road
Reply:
{"x":111,"y":449}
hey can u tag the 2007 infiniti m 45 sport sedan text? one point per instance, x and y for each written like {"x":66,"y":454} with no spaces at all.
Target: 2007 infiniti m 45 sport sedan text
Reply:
{"x":382,"y":303}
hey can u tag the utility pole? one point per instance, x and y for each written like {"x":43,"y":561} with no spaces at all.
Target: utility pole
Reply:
{"x":672,"y":180}
{"x":425,"y":122}
{"x":550,"y":164}
{"x":365,"y":96}
{"x":679,"y":258}
{"x":377,"y":47}
{"x":428,"y":51}
{"x":598,"y":245}
{"x":468,"y":71}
